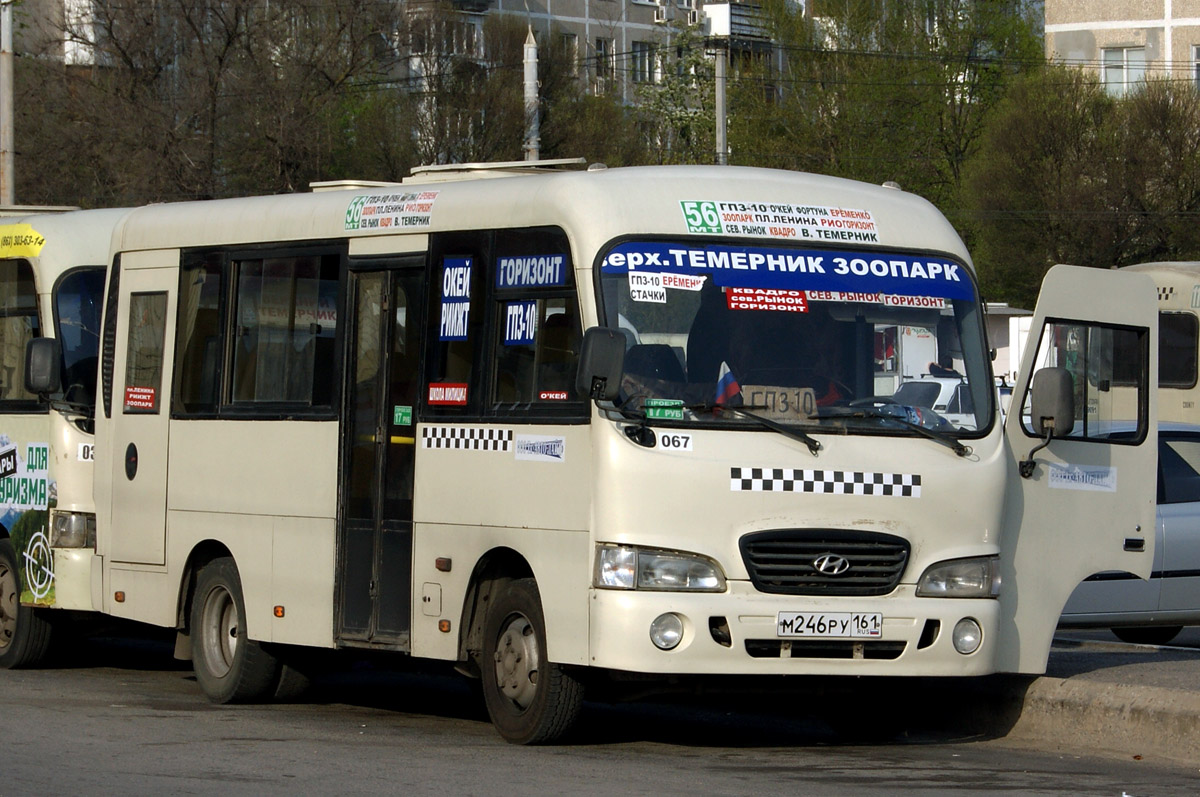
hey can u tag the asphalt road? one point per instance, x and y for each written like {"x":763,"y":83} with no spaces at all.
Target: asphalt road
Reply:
{"x":120,"y":717}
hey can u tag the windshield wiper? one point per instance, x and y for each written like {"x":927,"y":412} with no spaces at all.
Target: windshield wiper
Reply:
{"x":813,"y":444}
{"x":877,"y":413}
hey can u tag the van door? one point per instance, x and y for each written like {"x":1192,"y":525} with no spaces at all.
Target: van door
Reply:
{"x":1088,"y":505}
{"x":141,"y":407}
{"x":378,"y":454}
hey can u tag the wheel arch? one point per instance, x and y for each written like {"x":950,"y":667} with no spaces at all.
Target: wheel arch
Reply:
{"x":203,"y":553}
{"x":495,"y":568}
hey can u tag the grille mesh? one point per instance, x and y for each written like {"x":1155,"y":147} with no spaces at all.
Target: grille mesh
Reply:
{"x":783,"y":562}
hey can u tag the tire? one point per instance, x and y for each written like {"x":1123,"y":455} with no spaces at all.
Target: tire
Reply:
{"x":24,"y":632}
{"x":229,"y":667}
{"x":1148,"y":634}
{"x":529,"y":699}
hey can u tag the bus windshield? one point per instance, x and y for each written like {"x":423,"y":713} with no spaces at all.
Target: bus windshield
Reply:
{"x":805,"y":336}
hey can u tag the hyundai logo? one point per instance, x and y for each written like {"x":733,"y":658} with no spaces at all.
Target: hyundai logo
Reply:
{"x":830,"y":564}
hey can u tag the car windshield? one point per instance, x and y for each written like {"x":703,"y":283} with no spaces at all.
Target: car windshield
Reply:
{"x":811,"y":337}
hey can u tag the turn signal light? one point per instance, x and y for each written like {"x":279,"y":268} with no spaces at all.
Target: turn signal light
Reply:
{"x":279,"y":611}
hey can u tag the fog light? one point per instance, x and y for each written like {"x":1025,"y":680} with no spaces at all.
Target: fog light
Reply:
{"x":666,"y":632}
{"x":967,"y":636}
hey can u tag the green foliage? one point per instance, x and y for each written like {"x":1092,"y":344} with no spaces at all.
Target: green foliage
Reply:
{"x":29,"y":523}
{"x":677,"y":111}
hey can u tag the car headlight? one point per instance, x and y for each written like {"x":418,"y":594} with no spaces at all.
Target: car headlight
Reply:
{"x":978,"y":577}
{"x":628,"y":567}
{"x":73,"y":530}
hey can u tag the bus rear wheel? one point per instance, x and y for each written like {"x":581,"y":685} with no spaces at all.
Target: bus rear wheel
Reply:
{"x":24,"y":634}
{"x":230,"y":667}
{"x":529,"y":699}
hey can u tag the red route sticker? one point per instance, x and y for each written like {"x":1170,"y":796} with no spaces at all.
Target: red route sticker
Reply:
{"x":140,"y":398}
{"x":553,"y":395}
{"x":448,"y":394}
{"x":766,"y":299}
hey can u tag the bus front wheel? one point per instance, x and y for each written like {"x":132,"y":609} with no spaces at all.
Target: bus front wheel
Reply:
{"x":229,"y":666}
{"x":24,"y":634}
{"x":529,"y":699}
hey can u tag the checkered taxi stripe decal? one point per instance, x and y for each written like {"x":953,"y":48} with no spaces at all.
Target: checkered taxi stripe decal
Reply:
{"x":832,"y":482}
{"x":472,"y":439}
{"x":1165,"y":292}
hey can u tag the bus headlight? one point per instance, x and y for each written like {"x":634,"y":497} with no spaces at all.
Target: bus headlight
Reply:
{"x":628,"y":567}
{"x":978,"y":577}
{"x":73,"y":530}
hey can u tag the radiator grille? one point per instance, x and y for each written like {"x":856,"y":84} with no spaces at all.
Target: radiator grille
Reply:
{"x":789,"y":561}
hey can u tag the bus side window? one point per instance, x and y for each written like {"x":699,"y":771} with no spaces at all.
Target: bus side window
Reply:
{"x":284,"y":329}
{"x":200,"y":337}
{"x":537,"y":351}
{"x":144,"y":353}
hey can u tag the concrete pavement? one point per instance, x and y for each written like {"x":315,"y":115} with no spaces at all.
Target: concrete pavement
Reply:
{"x":1103,"y":695}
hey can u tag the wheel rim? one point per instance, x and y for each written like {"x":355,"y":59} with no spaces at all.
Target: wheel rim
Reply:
{"x":219,"y":631}
{"x":9,"y":604}
{"x":517,"y":661}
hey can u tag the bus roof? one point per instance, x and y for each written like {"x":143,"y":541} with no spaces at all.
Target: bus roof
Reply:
{"x":72,"y":239}
{"x":594,"y":206}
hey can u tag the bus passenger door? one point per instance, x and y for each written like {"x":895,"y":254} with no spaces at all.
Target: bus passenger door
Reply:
{"x":1087,"y":502}
{"x":378,"y":454}
{"x":141,"y":406}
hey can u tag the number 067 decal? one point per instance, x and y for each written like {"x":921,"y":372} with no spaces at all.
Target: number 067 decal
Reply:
{"x":675,"y":441}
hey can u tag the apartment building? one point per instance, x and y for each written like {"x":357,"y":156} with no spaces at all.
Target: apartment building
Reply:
{"x":1126,"y":41}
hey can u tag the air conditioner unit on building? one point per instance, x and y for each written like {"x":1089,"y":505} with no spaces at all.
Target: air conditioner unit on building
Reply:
{"x":660,"y":15}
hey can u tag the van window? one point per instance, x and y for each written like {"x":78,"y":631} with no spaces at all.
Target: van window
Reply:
{"x":77,"y":309}
{"x":1177,"y":350}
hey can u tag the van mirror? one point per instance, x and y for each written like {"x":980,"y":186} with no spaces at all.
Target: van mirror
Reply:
{"x":1052,"y":402}
{"x":42,"y":373}
{"x":1051,"y":408}
{"x":601,"y":363}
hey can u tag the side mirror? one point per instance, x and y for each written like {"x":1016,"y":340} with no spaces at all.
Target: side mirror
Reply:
{"x":1052,"y":410}
{"x":1052,"y":401}
{"x":43,"y":358}
{"x":601,"y":363}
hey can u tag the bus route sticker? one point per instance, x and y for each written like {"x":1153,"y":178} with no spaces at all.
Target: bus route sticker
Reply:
{"x":780,"y":220}
{"x":390,"y":211}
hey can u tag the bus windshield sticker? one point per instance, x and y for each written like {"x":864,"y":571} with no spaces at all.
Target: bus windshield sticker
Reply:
{"x":663,"y":409}
{"x":927,"y":302}
{"x":647,"y":287}
{"x":766,"y":299}
{"x":857,"y":272}
{"x":467,"y":438}
{"x":520,"y":323}
{"x":401,"y":415}
{"x":833,"y":482}
{"x":390,"y":211}
{"x":20,"y":240}
{"x":140,"y":398}
{"x":683,"y":282}
{"x":456,"y":298}
{"x":448,"y":394}
{"x":541,"y":448}
{"x":554,"y":395}
{"x":533,"y":271}
{"x":780,"y":220}
{"x":1098,"y":479}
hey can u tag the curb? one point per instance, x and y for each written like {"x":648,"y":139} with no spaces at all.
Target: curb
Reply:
{"x":1132,"y":720}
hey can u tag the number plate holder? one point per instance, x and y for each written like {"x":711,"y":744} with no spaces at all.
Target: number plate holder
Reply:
{"x":829,"y":625}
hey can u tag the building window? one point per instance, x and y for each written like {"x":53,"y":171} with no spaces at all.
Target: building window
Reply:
{"x":570,"y":46}
{"x":605,"y":66}
{"x":643,"y":62}
{"x":1123,"y":68}
{"x":1196,"y":65}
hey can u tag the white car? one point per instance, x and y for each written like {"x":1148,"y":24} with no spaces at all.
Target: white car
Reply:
{"x":1154,"y":611}
{"x":948,"y":396}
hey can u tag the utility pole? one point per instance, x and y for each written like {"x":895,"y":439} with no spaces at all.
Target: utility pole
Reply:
{"x":532,"y":138}
{"x":6,"y":104}
{"x":722,"y":63}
